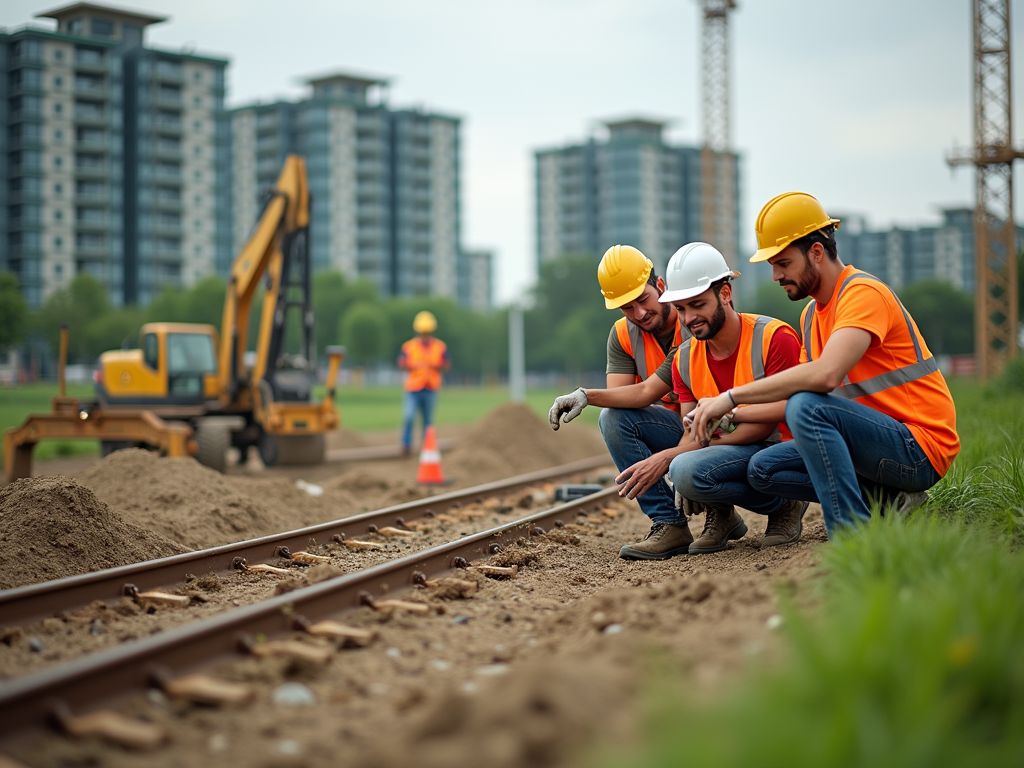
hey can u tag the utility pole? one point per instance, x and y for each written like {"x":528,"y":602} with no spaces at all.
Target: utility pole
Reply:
{"x":995,"y":231}
{"x":718,"y":166}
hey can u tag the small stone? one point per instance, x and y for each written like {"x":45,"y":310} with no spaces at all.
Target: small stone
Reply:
{"x":377,"y":689}
{"x":492,"y":670}
{"x":156,"y":697}
{"x":219,"y":742}
{"x":469,"y":687}
{"x":439,"y":664}
{"x":614,"y":629}
{"x":96,"y":628}
{"x":393,"y":653}
{"x":460,"y":620}
{"x":760,"y":567}
{"x":288,"y":747}
{"x":294,"y":695}
{"x":36,"y":645}
{"x":775,"y":621}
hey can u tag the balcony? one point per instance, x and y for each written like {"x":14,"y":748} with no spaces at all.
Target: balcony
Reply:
{"x":167,"y":100}
{"x":92,"y":144}
{"x":92,"y":170}
{"x":167,"y":152}
{"x":169,"y":204}
{"x":88,"y":61}
{"x":169,"y":127}
{"x":91,"y":251}
{"x":91,"y":90}
{"x":167,"y":176}
{"x":168,"y":74}
{"x":90,"y":198}
{"x":92,"y":224}
{"x":90,"y":117}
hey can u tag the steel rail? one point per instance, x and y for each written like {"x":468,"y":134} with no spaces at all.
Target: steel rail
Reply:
{"x":35,"y":602}
{"x":109,"y":677}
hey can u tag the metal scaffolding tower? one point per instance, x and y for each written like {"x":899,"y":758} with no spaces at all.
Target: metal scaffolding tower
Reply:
{"x":718,"y":166}
{"x":995,"y":232}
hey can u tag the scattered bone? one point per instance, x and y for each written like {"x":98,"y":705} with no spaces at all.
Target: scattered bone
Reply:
{"x":112,"y":726}
{"x":315,"y":654}
{"x":389,"y":532}
{"x":496,"y":571}
{"x":156,"y":599}
{"x":264,"y":568}
{"x":203,"y":689}
{"x":308,"y":558}
{"x":356,"y":543}
{"x":335,"y":630}
{"x":396,"y":605}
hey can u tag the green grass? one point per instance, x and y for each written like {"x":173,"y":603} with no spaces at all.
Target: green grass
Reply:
{"x":362,"y":409}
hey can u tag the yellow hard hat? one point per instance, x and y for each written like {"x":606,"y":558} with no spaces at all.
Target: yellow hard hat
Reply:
{"x":622,"y":273}
{"x":786,"y":218}
{"x":424,"y":322}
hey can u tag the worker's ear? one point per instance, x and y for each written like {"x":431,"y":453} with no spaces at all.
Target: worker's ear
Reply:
{"x":660,"y":285}
{"x":816,"y":253}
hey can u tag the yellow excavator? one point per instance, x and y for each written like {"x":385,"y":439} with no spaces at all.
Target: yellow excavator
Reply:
{"x":187,"y":374}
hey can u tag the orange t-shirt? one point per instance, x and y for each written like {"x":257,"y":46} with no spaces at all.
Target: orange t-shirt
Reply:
{"x":897,"y":375}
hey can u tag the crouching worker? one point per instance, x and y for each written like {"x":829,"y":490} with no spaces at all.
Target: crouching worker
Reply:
{"x":709,"y":471}
{"x":871,"y":414}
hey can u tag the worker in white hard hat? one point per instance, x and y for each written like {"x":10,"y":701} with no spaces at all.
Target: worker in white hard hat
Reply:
{"x":871,"y":415}
{"x":424,"y":359}
{"x":708,"y":470}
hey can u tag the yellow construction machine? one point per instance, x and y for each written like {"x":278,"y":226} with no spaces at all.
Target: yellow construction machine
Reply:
{"x":186,"y":375}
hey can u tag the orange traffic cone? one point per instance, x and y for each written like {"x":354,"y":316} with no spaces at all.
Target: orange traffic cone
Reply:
{"x":430,"y":460}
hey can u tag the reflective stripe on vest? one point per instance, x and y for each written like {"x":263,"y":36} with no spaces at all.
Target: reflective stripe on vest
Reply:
{"x":894,"y":378}
{"x":756,"y":353}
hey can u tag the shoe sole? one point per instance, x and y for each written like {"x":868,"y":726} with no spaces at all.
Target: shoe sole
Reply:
{"x":738,"y":532}
{"x":628,"y":553}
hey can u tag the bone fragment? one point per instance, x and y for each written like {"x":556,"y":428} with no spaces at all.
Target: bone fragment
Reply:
{"x":401,"y":605}
{"x":162,"y":599}
{"x":313,"y":653}
{"x":112,"y":726}
{"x":337,"y":631}
{"x":360,"y":544}
{"x":496,"y":571}
{"x":264,"y":568}
{"x":308,"y":558}
{"x":204,"y":689}
{"x":389,"y":532}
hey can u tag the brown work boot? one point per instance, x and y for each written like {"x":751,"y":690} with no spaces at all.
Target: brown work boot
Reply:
{"x":722,"y":524}
{"x":786,"y":524}
{"x":661,"y":542}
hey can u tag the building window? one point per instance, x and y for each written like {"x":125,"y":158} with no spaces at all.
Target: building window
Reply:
{"x":76,"y":26}
{"x":58,"y":55}
{"x":198,"y":175}
{"x":58,"y":108}
{"x":58,"y":188}
{"x":58,"y":161}
{"x":58,"y":135}
{"x":58,"y":242}
{"x":58,"y":214}
{"x":58,"y":269}
{"x":197,"y":125}
{"x":58,"y":82}
{"x":102,"y":28}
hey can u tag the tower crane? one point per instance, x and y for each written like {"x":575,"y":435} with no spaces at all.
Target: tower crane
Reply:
{"x":995,"y":232}
{"x":718,"y":165}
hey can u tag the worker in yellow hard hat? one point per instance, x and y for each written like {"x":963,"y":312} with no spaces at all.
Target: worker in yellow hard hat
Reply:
{"x":424,"y":359}
{"x":871,"y":415}
{"x":707,"y":471}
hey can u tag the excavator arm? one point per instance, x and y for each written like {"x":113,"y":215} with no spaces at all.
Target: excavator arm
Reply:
{"x":285,"y":218}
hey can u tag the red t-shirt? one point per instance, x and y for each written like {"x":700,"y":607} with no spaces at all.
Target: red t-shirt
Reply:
{"x":783,"y":353}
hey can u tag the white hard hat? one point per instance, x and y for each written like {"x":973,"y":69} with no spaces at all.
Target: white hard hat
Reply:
{"x":692,"y":269}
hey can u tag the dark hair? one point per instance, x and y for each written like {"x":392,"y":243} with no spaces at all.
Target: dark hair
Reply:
{"x":652,"y":279}
{"x":717,"y":288}
{"x":826,"y":236}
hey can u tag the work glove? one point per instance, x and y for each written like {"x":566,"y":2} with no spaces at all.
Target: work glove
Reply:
{"x":567,"y":408}
{"x":721,"y":425}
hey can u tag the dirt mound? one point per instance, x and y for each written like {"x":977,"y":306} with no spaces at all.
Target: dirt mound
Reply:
{"x":201,"y":508}
{"x":512,"y":440}
{"x":52,"y":528}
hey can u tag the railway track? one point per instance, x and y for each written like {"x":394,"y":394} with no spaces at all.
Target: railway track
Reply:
{"x":72,"y":694}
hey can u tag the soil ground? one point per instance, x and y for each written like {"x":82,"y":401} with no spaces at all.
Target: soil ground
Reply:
{"x":521,"y":672}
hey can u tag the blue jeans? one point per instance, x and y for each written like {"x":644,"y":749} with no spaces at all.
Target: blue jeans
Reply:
{"x":718,"y":475}
{"x":844,"y":455}
{"x":633,"y":434}
{"x":422,"y":401}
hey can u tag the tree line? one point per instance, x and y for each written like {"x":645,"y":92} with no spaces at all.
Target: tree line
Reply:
{"x":566,"y":324}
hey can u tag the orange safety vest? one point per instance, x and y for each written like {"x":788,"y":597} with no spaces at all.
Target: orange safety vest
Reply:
{"x":646,"y":352}
{"x":423,"y":362}
{"x":756,"y":332}
{"x":897,"y":376}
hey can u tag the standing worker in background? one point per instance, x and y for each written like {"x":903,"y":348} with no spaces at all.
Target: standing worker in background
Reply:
{"x":709,"y":471}
{"x":424,"y":358}
{"x":870,"y":413}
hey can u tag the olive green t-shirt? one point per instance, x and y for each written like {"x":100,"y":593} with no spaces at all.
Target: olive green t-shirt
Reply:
{"x":621,"y":362}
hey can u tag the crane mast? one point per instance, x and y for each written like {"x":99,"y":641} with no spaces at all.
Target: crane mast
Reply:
{"x":718,"y":166}
{"x":995,"y":232}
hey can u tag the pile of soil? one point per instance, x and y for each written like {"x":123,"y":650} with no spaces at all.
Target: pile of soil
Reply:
{"x":201,"y":508}
{"x":512,"y":440}
{"x":53,"y":527}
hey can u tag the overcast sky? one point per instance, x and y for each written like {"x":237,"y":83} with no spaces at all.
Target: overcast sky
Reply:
{"x":854,"y":101}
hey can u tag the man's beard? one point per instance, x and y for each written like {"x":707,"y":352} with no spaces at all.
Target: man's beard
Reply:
{"x":715,"y":324}
{"x":806,"y":284}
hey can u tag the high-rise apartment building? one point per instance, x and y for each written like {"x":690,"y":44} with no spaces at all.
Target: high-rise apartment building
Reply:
{"x":113,"y":156}
{"x":904,"y":255}
{"x":631,"y":188}
{"x":384,"y":182}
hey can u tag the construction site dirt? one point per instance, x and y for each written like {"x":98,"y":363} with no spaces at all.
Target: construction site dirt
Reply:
{"x":533,"y":670}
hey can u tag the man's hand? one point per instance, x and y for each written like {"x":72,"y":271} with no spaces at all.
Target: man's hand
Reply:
{"x":637,"y":479}
{"x":567,"y":407}
{"x":706,"y":415}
